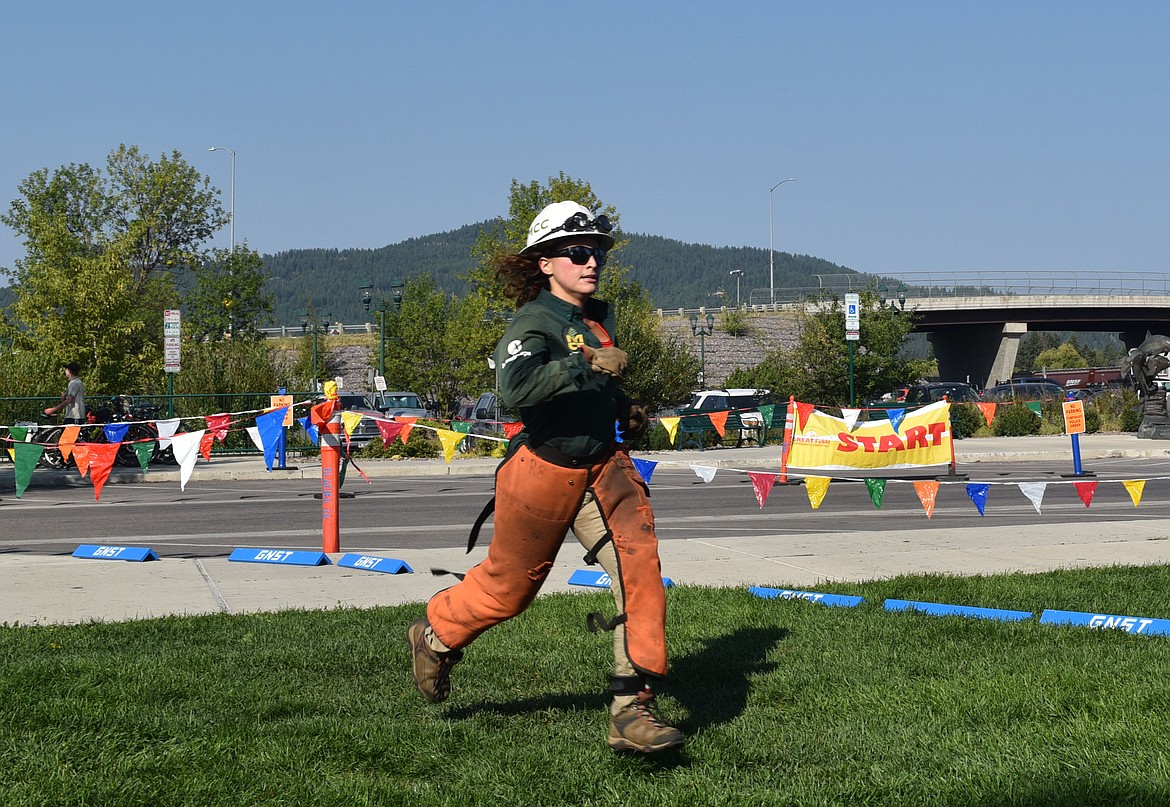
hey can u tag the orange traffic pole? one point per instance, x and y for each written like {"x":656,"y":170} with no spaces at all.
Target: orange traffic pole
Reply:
{"x":330,"y":440}
{"x":789,"y":420}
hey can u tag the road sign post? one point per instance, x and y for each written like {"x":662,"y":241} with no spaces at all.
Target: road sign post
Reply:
{"x":852,"y":333}
{"x":172,"y":349}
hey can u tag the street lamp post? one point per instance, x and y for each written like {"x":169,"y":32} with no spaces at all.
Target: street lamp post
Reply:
{"x":771,"y":237}
{"x":737,"y":273}
{"x":232,"y":251}
{"x":308,"y":322}
{"x":367,"y":297}
{"x":702,"y":331}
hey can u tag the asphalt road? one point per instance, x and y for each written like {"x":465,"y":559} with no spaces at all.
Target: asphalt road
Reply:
{"x":211,"y":518}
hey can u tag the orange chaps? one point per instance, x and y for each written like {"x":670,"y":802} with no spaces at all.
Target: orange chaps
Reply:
{"x":536,"y":502}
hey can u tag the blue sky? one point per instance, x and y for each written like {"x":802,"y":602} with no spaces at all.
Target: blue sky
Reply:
{"x":940,"y":136}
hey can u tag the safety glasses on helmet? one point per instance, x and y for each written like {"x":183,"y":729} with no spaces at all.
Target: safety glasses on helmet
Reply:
{"x":580,"y":255}
{"x":579,"y":222}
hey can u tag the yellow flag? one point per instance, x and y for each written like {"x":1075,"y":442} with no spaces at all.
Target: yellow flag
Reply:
{"x":1135,"y":488}
{"x":671,"y":426}
{"x":450,"y":440}
{"x":349,"y":422}
{"x":817,"y":487}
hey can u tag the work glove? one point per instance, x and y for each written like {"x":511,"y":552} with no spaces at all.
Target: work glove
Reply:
{"x":634,"y":422}
{"x":609,"y":360}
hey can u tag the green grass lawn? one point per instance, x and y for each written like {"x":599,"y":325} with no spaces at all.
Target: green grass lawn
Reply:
{"x":783,"y":702}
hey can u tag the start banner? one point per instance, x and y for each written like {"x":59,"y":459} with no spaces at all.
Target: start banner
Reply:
{"x":917,"y":439}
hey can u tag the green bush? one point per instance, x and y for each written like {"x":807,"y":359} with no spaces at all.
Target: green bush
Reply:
{"x":422,"y":444}
{"x":1131,"y":419}
{"x":966,"y":419}
{"x":1014,"y":420}
{"x":1092,"y":421}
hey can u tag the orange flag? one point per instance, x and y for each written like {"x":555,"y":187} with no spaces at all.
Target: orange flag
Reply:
{"x":407,"y":426}
{"x":719,"y":421}
{"x":81,"y":457}
{"x":762,"y":484}
{"x":513,"y":429}
{"x":205,"y":444}
{"x":803,"y":410}
{"x":67,"y":441}
{"x":101,"y":460}
{"x":927,"y":490}
{"x":988,"y":410}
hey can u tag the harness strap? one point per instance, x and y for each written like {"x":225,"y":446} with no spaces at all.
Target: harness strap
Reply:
{"x":591,"y":556}
{"x":595,"y":621}
{"x":599,"y":331}
{"x":488,"y":509}
{"x":440,"y":572}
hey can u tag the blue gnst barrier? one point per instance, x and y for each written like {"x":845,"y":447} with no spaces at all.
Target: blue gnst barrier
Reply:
{"x":939,"y":609}
{"x":101,"y":552}
{"x":372,"y":563}
{"x":584,"y":577}
{"x":1130,"y":624}
{"x":288,"y":557}
{"x":839,"y":600}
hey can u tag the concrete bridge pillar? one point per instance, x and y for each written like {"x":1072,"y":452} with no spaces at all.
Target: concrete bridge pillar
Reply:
{"x":983,"y":355}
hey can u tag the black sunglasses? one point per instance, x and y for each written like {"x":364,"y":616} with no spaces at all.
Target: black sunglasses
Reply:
{"x":580,"y":255}
{"x":579,"y":222}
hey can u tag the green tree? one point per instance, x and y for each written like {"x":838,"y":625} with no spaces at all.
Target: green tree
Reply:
{"x":104,"y":251}
{"x":816,"y":370}
{"x":228,"y":297}
{"x":1060,"y":357}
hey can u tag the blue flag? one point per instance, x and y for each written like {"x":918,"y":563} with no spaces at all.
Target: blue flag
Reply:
{"x":271,"y":428}
{"x":115,"y":432}
{"x":896,"y":416}
{"x":309,"y":428}
{"x":645,"y":469}
{"x":978,"y":494}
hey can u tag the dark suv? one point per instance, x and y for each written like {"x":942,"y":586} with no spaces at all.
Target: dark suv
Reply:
{"x":1026,"y":389}
{"x":953,"y":391}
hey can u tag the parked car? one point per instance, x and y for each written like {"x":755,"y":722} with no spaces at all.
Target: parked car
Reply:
{"x":953,"y":391}
{"x":745,"y":400}
{"x":367,"y":429}
{"x":400,"y":404}
{"x":1030,"y":389}
{"x":487,"y":416}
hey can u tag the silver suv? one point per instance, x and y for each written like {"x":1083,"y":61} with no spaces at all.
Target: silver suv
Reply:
{"x":721,"y":400}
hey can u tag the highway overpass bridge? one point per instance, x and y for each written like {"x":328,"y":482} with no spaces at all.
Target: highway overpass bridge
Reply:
{"x":975,"y":320}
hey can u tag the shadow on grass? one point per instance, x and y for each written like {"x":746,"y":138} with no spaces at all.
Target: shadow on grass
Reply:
{"x":713,"y":683}
{"x":564,"y":702}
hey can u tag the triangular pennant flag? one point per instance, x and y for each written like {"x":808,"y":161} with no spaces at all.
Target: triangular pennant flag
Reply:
{"x":217,"y":425}
{"x":101,"y":462}
{"x":461,"y":426}
{"x":719,"y":421}
{"x":389,"y":430}
{"x":978,"y":494}
{"x":1034,"y":491}
{"x":186,"y":447}
{"x":645,"y":468}
{"x":323,"y":412}
{"x":450,"y":440}
{"x":513,"y":429}
{"x":349,"y":422}
{"x":27,"y":457}
{"x":81,"y":457}
{"x":271,"y":428}
{"x":144,"y":450}
{"x":407,"y":427}
{"x":927,"y":490}
{"x":1036,"y":407}
{"x":115,"y":432}
{"x":205,"y":444}
{"x":671,"y":426}
{"x":253,"y":433}
{"x":988,"y":410}
{"x":803,"y":410}
{"x":896,"y":417}
{"x":1085,"y":491}
{"x":877,"y":491}
{"x":817,"y":487}
{"x":1135,"y":488}
{"x":68,"y":440}
{"x":850,"y":418}
{"x":762,"y":484}
{"x":311,"y":430}
{"x":767,"y":411}
{"x":18,"y":434}
{"x":166,"y":430}
{"x":704,"y":472}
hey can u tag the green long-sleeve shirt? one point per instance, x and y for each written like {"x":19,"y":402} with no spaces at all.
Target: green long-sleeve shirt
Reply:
{"x":544,"y":375}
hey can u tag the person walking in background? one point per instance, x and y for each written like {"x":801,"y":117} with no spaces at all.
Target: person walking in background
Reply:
{"x":73,"y":399}
{"x":557,"y":363}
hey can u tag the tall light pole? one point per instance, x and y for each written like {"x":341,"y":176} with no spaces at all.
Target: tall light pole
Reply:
{"x":737,"y":273}
{"x":771,"y":248}
{"x":233,"y":213}
{"x":698,"y":329}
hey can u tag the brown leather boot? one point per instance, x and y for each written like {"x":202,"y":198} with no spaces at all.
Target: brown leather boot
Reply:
{"x":637,"y":728}
{"x":431,"y":668}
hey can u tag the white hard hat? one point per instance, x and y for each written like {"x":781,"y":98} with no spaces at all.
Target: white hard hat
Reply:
{"x":566,"y":220}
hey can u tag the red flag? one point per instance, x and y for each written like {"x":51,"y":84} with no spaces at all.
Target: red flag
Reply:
{"x":1085,"y":490}
{"x":101,"y":460}
{"x":217,"y":425}
{"x":762,"y":483}
{"x":389,"y":430}
{"x":320,"y":414}
{"x":205,"y":444}
{"x":803,"y":410}
{"x":512,"y":429}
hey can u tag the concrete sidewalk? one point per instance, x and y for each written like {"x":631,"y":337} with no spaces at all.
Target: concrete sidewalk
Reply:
{"x":55,"y":589}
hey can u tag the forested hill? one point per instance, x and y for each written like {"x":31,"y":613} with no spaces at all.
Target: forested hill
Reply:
{"x":674,"y":273}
